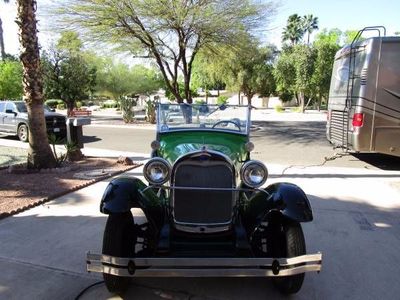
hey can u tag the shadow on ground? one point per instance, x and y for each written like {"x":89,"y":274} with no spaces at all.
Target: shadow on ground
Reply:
{"x":291,"y":132}
{"x":381,"y":161}
{"x":44,"y":255}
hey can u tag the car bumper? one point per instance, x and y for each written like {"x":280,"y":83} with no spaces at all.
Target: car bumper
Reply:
{"x":203,"y":267}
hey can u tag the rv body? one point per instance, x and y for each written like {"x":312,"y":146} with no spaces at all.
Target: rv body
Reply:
{"x":364,"y":97}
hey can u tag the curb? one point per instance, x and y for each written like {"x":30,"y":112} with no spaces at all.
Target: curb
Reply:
{"x":57,"y":195}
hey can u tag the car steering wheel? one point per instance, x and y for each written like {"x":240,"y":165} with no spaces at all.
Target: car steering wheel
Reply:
{"x":227,"y":122}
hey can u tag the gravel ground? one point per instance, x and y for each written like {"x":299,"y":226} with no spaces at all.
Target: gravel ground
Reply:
{"x":24,"y":189}
{"x":11,"y":156}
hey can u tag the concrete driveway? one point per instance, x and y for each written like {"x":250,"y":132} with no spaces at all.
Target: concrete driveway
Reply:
{"x":356,"y":226}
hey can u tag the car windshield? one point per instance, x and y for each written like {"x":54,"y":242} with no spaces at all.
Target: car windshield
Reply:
{"x":21,"y":107}
{"x":231,"y":118}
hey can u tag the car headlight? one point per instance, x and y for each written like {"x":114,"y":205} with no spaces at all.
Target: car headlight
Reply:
{"x":157,"y":171}
{"x":254,"y":173}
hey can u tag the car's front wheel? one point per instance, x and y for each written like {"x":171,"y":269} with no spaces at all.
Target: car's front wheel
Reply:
{"x":288,"y":241}
{"x":23,"y":133}
{"x":119,"y":240}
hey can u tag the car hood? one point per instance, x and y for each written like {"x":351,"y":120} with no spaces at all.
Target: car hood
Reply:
{"x":175,"y":144}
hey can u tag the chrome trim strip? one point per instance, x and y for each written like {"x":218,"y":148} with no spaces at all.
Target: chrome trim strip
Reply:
{"x":203,"y":188}
{"x":202,"y":267}
{"x":202,"y":228}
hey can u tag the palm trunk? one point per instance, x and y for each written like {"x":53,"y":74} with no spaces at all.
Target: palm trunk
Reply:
{"x":3,"y":51}
{"x":39,"y":154}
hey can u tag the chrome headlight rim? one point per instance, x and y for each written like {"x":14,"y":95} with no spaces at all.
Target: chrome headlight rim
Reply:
{"x":152,"y":163}
{"x":246,"y":166}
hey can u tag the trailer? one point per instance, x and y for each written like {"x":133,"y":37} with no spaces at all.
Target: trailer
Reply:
{"x":364,"y":96}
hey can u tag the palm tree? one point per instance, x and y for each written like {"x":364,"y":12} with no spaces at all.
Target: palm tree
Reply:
{"x":40,"y":154}
{"x":2,"y":50}
{"x":310,"y":23}
{"x":293,"y":31}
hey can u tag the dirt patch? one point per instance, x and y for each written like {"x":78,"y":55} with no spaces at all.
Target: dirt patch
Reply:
{"x":22,"y":190}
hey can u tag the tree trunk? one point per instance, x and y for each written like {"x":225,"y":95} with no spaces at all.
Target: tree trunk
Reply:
{"x":239,"y":98}
{"x":301,"y":100}
{"x":249,"y":98}
{"x":2,"y":49}
{"x":70,"y":107}
{"x":39,"y":154}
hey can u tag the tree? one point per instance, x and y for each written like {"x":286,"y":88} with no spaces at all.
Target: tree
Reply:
{"x":206,"y":73}
{"x":304,"y":59}
{"x":39,"y":153}
{"x":294,"y":30}
{"x":170,"y":32}
{"x":10,"y":79}
{"x":67,"y":74}
{"x":251,"y":71}
{"x":310,"y":23}
{"x":349,"y":35}
{"x":285,"y":75}
{"x":326,"y":45}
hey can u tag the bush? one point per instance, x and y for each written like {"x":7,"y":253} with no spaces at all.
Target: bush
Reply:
{"x":222,"y":100}
{"x":110,"y":104}
{"x":78,"y":104}
{"x":296,"y":109}
{"x":279,"y":109}
{"x":52,"y":103}
{"x":61,"y":106}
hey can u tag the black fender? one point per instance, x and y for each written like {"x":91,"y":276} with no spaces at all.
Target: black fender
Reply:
{"x":124,"y":193}
{"x":283,"y":199}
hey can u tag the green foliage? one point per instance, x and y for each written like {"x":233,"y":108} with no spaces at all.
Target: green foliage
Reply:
{"x":60,"y":157}
{"x":52,"y":103}
{"x":151,"y":110}
{"x":10,"y":79}
{"x":170,"y":32}
{"x":78,"y":104}
{"x":61,"y":106}
{"x":110,"y":104}
{"x":279,"y":109}
{"x":247,"y":68}
{"x":297,"y":26}
{"x":69,"y":42}
{"x":293,"y":31}
{"x":127,"y":105}
{"x":222,"y":100}
{"x":349,"y":36}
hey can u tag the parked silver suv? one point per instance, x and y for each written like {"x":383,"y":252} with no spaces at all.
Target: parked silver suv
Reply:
{"x":14,"y":120}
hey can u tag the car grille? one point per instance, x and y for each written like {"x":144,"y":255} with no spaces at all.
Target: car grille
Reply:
{"x":55,"y":122}
{"x":203,"y":206}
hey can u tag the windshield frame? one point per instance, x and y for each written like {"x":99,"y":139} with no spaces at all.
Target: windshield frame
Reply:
{"x":216,"y":107}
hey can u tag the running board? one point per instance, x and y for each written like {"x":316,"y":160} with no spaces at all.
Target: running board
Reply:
{"x":203,"y":267}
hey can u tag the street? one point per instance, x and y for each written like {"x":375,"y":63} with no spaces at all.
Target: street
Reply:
{"x":279,"y":142}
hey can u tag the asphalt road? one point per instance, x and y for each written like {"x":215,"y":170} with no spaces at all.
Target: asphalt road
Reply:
{"x":288,"y":143}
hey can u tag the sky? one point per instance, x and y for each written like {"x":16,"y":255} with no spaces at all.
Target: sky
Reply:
{"x":342,"y":14}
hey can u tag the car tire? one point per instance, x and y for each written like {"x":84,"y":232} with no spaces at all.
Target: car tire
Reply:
{"x":119,"y":240}
{"x":23,"y":133}
{"x":290,"y":243}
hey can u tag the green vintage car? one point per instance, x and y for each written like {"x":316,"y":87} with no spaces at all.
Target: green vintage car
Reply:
{"x":207,"y":212}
